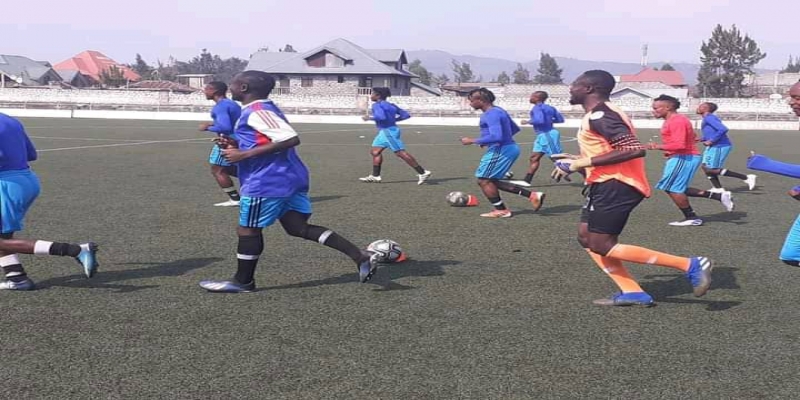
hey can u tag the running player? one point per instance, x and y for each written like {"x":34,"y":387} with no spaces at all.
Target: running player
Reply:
{"x":497,"y":131}
{"x":19,"y":187}
{"x":683,"y":160}
{"x":224,"y":114}
{"x":548,"y":139}
{"x":718,"y":147}
{"x":613,"y":159}
{"x":386,"y":115}
{"x":274,"y":184}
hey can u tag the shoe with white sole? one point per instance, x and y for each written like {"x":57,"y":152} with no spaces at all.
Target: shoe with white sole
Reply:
{"x":229,"y":203}
{"x":716,"y":190}
{"x":751,"y":181}
{"x":423,"y":177}
{"x":727,"y":200}
{"x":537,"y":200}
{"x":497,"y":214}
{"x":687,"y":222}
{"x":370,"y":179}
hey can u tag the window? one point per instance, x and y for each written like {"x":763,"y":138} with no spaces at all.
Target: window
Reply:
{"x":340,"y":79}
{"x":395,"y":83}
{"x":306,"y":81}
{"x":365,"y":81}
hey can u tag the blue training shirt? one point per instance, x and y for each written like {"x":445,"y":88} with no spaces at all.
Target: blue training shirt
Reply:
{"x":715,"y":131}
{"x":387,"y":114}
{"x":225,"y":114}
{"x":280,"y":174}
{"x":497,"y":128}
{"x":16,"y":148}
{"x":543,"y":116}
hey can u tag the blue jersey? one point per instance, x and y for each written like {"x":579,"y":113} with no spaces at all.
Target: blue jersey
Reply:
{"x":497,"y":128}
{"x":16,"y":148}
{"x":387,"y":114}
{"x":543,"y":116}
{"x":276,"y":174}
{"x":225,"y":114}
{"x":715,"y":131}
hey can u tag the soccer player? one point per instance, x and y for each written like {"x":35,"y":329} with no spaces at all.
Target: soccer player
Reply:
{"x":683,"y":161}
{"x":225,"y":114}
{"x":718,"y":147}
{"x":548,"y":139}
{"x":497,"y":131}
{"x":19,"y":187}
{"x":613,"y":159}
{"x":386,"y":115}
{"x":274,"y":184}
{"x":790,"y":253}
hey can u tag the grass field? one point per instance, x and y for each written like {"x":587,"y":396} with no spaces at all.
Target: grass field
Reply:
{"x":485,"y":309}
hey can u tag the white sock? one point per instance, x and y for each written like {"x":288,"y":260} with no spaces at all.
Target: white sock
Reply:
{"x":12,"y":259}
{"x":42,"y":247}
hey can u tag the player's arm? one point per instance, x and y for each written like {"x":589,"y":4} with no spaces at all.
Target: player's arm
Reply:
{"x":402,"y":115}
{"x":624,"y":143}
{"x":281,"y":135}
{"x":557,"y":117}
{"x":795,"y":192}
{"x":763,"y":163}
{"x":719,"y":130}
{"x":495,"y":132}
{"x":537,"y":116}
{"x":677,"y":139}
{"x":378,"y":114}
{"x":222,"y":124}
{"x":29,"y":148}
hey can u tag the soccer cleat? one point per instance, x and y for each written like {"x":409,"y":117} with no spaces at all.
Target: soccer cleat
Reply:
{"x":520,"y":183}
{"x":727,"y":200}
{"x":716,"y":190}
{"x":88,"y":259}
{"x":497,"y":214}
{"x":627,"y":299}
{"x":27,"y":284}
{"x":370,"y":179}
{"x":537,"y":200}
{"x":699,"y":274}
{"x":751,"y":181}
{"x":687,"y":222}
{"x":508,"y":175}
{"x":368,"y":267}
{"x":229,"y":203}
{"x":228,"y":286}
{"x":423,"y":177}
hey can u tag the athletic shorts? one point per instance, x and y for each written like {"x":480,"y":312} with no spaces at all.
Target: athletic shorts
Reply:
{"x":389,"y":138}
{"x":714,"y":156}
{"x":608,"y":206}
{"x":18,"y":190}
{"x":216,"y":158}
{"x":261,"y":212}
{"x":497,"y":161}
{"x":678,"y":173}
{"x":548,"y":143}
{"x":791,"y":246}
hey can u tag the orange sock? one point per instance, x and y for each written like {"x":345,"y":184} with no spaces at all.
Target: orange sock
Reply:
{"x":617,"y":272}
{"x":641,"y":255}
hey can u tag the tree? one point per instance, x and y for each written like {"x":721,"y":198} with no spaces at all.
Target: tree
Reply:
{"x":416,"y":68}
{"x":141,"y":67}
{"x":113,"y":77}
{"x":549,"y":72}
{"x":793,"y":66}
{"x":503,"y":78}
{"x":442,"y":79}
{"x":289,"y":49}
{"x":462,"y":72}
{"x":522,"y":76}
{"x":666,"y":67}
{"x":726,"y":59}
{"x":207,"y":63}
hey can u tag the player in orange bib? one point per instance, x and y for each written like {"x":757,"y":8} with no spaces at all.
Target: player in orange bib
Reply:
{"x":612,"y":158}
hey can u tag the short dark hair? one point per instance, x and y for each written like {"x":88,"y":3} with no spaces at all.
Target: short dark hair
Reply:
{"x":485,"y":94}
{"x":712,"y":107}
{"x":220,"y":88}
{"x":676,"y":104}
{"x":258,"y":82}
{"x":384,"y":92}
{"x":542,"y":95}
{"x":602,"y":81}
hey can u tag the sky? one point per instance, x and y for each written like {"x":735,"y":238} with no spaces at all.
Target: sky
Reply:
{"x":607,"y":30}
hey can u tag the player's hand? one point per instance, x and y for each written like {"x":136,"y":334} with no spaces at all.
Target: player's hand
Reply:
{"x":467,"y":141}
{"x":560,"y":173}
{"x":204,"y":126}
{"x":225,"y":142}
{"x":708,"y":143}
{"x":365,"y":118}
{"x":233,"y":155}
{"x":652,"y":146}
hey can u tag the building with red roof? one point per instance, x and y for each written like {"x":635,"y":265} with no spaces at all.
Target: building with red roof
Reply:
{"x":669,"y":78}
{"x":92,"y":64}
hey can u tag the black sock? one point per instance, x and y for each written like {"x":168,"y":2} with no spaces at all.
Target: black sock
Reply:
{"x":714,"y":181}
{"x":64,"y":249}
{"x":506,"y":187}
{"x":232,"y":193}
{"x":248,"y":251}
{"x":376,"y":170}
{"x":793,"y":263}
{"x":529,"y":178}
{"x":497,"y":202}
{"x":688,"y":213}
{"x":715,"y":196}
{"x":329,"y":238}
{"x":732,"y":174}
{"x":419,"y":169}
{"x":15,"y":273}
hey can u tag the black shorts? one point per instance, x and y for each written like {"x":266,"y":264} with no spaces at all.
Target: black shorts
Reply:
{"x":608,"y":206}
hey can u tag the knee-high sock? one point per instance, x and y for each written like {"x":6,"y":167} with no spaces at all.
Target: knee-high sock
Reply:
{"x":641,"y":255}
{"x":617,"y":272}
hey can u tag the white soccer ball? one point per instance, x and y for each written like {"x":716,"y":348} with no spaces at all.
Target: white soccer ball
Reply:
{"x":388,"y":251}
{"x":458,"y":199}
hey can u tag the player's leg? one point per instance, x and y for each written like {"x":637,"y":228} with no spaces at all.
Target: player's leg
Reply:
{"x":379,"y":144}
{"x":536,"y":198}
{"x":725,"y":197}
{"x":395,"y":141}
{"x":220,"y":170}
{"x":535,"y":159}
{"x":790,"y":253}
{"x":678,"y":172}
{"x":711,"y":165}
{"x":724,"y":152}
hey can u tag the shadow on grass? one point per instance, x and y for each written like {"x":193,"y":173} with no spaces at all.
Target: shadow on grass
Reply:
{"x":722,"y":278}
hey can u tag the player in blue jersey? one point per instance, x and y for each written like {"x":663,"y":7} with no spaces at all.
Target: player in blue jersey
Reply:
{"x":224,"y":115}
{"x":386,"y":115}
{"x":274,"y":184}
{"x":790,"y":253}
{"x":548,"y":139}
{"x":497,"y":135}
{"x":19,"y":187}
{"x":718,"y":147}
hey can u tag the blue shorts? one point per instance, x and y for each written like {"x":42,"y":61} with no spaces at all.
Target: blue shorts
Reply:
{"x":678,"y":173}
{"x":497,"y":161}
{"x":261,"y":212}
{"x":18,"y":190}
{"x":548,"y":143}
{"x":389,"y":137}
{"x":216,"y":158}
{"x":714,"y":157}
{"x":791,"y":247}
